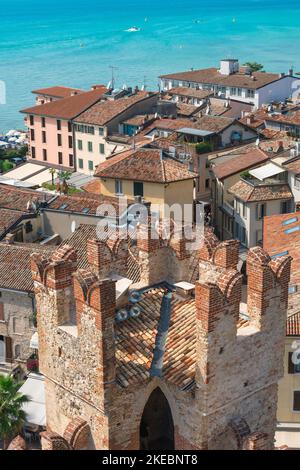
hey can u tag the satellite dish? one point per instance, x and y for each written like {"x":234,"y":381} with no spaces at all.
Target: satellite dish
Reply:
{"x":125,"y":88}
{"x":108,"y":85}
{"x":73,"y":226}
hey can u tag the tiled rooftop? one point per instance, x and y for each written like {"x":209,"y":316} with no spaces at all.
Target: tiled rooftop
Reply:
{"x":213,"y":76}
{"x":67,"y":108}
{"x":57,"y":91}
{"x":9,"y":219}
{"x":104,"y":111}
{"x":241,"y":162}
{"x":136,"y":339}
{"x":293,"y":325}
{"x":144,"y":165}
{"x":248,"y":192}
{"x":190,"y":92}
{"x":18,"y":198}
{"x":84,"y":203}
{"x":15,"y":271}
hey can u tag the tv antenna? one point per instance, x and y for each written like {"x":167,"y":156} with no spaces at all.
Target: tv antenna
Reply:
{"x":113,"y":68}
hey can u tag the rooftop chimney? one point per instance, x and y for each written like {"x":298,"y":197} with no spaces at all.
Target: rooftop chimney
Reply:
{"x":9,"y":239}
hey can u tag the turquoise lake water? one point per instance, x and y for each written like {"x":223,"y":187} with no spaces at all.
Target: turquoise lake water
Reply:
{"x":69,"y":42}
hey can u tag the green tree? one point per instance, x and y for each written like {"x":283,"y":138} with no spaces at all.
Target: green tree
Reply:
{"x":64,"y":177}
{"x":254,"y":66}
{"x":6,"y":166}
{"x":52,"y":172}
{"x":203,"y":147}
{"x":12,"y":417}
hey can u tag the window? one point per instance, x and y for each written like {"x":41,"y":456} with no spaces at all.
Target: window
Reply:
{"x":250,"y":93}
{"x":44,"y":155}
{"x":259,"y":236}
{"x":43,"y":122}
{"x":285,"y":207}
{"x":58,"y":125}
{"x":101,"y":131}
{"x":79,"y":144}
{"x":31,"y":119}
{"x":2,"y":312}
{"x":293,"y":290}
{"x":70,"y":142}
{"x":138,"y":189}
{"x":84,"y":129}
{"x":17,"y":351}
{"x":91,"y":165}
{"x":80,"y":163}
{"x":243,"y":210}
{"x":69,"y":126}
{"x":293,"y":363}
{"x":44,"y":139}
{"x":239,"y":91}
{"x":207,"y":183}
{"x":90,"y":146}
{"x":233,"y":91}
{"x":296,"y":401}
{"x":71,"y":160}
{"x":32,"y":152}
{"x":118,"y":187}
{"x":260,"y":211}
{"x":243,"y":235}
{"x":101,"y":148}
{"x":32,"y":134}
{"x":60,"y":158}
{"x":296,"y":183}
{"x":28,"y":227}
{"x":59,"y":141}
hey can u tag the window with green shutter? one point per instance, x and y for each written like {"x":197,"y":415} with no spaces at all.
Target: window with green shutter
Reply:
{"x":101,"y":148}
{"x":90,"y":146}
{"x":91,"y":165}
{"x":79,"y":144}
{"x":80,"y":163}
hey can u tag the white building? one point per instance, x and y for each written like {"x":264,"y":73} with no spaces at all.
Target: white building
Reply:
{"x":233,"y":81}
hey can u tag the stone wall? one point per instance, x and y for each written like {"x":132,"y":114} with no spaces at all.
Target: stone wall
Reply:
{"x":18,"y":309}
{"x":236,"y":368}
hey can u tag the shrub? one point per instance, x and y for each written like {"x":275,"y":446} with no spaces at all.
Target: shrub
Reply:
{"x":203,"y":147}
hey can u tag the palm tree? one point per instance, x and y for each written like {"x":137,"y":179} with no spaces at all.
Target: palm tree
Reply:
{"x":64,"y":176}
{"x":52,"y":172}
{"x":12,"y":416}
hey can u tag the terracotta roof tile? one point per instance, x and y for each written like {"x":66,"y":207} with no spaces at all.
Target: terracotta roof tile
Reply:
{"x":190,"y":92}
{"x":9,"y":219}
{"x":293,"y":325}
{"x":15,"y":270}
{"x":17,"y":198}
{"x":105,"y":111}
{"x":262,"y":192}
{"x":57,"y":91}
{"x":144,"y":165}
{"x":253,"y":157}
{"x":213,"y":76}
{"x":67,"y":108}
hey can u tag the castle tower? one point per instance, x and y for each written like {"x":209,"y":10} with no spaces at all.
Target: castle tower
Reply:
{"x":192,"y":371}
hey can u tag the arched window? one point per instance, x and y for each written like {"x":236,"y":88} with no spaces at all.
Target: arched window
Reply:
{"x":157,"y":427}
{"x":17,"y":351}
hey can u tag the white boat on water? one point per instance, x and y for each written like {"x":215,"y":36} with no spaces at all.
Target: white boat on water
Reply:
{"x":133,"y":29}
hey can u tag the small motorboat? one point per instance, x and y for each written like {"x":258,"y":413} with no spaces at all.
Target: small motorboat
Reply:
{"x":133,"y":29}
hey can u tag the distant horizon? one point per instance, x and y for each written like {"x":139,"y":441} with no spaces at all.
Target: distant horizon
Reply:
{"x":38,"y":48}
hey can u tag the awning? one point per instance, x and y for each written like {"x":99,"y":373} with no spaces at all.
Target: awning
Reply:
{"x":35,"y":409}
{"x":266,"y":171}
{"x":198,"y":132}
{"x":39,"y":179}
{"x":34,"y":342}
{"x":22,"y":172}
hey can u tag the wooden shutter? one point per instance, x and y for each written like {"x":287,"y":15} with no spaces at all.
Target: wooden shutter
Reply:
{"x":8,"y":347}
{"x":291,"y":366}
{"x":1,"y":312}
